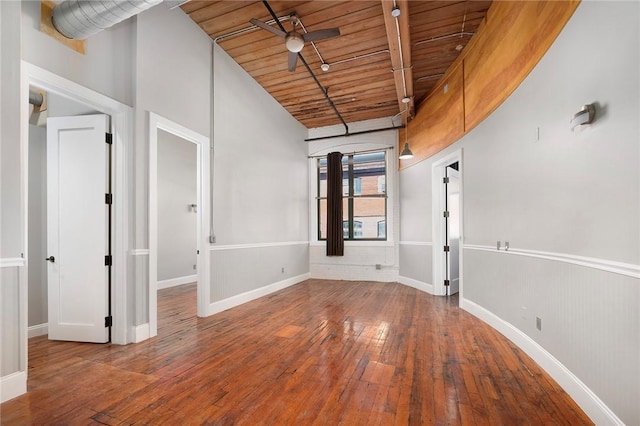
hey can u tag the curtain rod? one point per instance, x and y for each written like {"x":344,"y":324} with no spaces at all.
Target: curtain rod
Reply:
{"x":366,"y":151}
{"x":345,"y":135}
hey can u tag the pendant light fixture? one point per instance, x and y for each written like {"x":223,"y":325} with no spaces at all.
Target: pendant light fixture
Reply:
{"x":406,"y":152}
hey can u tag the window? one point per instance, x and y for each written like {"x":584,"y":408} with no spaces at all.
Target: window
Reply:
{"x":364,"y":196}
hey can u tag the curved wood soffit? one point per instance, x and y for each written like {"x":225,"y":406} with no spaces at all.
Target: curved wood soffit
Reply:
{"x":509,"y":43}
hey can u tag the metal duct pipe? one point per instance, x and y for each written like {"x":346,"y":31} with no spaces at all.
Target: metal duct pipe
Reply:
{"x":79,"y":19}
{"x":35,"y":98}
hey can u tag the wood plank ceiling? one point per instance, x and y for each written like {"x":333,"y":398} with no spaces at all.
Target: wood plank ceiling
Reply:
{"x":360,"y":80}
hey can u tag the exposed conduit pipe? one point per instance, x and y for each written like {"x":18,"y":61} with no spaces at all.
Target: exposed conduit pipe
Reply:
{"x":79,"y":19}
{"x":322,"y":89}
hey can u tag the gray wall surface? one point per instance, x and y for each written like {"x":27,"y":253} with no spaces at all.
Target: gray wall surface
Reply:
{"x":260,"y":183}
{"x":177,"y":173}
{"x":568,"y":193}
{"x":38,"y":291}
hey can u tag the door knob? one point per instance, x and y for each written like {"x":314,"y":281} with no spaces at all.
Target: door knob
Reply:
{"x":51,"y":259}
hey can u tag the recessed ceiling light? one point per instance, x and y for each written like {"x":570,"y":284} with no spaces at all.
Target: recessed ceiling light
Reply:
{"x":395,"y":12}
{"x":406,"y":100}
{"x":459,"y":47}
{"x":324,"y":67}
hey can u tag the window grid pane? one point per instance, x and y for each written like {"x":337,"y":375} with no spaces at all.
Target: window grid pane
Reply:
{"x":364,"y":191}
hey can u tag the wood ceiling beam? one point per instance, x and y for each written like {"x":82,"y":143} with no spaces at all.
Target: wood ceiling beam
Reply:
{"x":400,"y":52}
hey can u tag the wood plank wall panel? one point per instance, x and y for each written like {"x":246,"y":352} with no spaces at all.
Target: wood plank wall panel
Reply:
{"x":516,"y":36}
{"x":509,"y":43}
{"x":440,"y":121}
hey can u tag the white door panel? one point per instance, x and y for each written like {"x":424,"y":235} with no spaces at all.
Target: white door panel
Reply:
{"x":77,"y":226}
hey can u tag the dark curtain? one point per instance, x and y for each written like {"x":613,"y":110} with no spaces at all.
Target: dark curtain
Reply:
{"x":335,"y":238}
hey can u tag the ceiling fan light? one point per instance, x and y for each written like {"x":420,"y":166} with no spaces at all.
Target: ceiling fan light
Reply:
{"x":294,"y":42}
{"x":406,"y":152}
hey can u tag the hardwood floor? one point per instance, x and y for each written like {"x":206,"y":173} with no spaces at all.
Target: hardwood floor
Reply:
{"x":321,"y":352}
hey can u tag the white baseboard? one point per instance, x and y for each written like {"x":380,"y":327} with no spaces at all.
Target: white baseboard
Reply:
{"x":427,"y":288}
{"x":139,"y":333}
{"x":38,"y":330}
{"x":13,"y":385}
{"x":174,"y":282}
{"x":223,"y":305}
{"x":597,"y":411}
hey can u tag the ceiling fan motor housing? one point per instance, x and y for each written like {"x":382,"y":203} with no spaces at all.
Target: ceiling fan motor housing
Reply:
{"x":294,"y":42}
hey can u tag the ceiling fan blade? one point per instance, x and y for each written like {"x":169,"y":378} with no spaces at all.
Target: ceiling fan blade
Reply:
{"x":321,"y":34}
{"x":268,"y":28}
{"x":293,"y":60}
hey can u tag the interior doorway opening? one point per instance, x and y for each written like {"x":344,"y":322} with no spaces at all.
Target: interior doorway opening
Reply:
{"x":178,"y":210}
{"x":447,"y":224}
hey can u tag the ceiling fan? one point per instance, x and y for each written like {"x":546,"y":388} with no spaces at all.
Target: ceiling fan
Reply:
{"x":293,"y":40}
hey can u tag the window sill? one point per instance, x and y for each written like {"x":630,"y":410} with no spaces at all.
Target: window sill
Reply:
{"x":366,"y":243}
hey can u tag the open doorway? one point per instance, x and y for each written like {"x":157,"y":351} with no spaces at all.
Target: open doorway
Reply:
{"x":178,"y":209}
{"x":447,"y":224}
{"x":69,"y":219}
{"x":68,"y":98}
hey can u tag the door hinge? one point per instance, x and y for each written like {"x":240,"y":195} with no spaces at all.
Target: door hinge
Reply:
{"x":446,"y":248}
{"x":108,"y":321}
{"x":445,"y":213}
{"x":108,"y":199}
{"x":446,"y":283}
{"x":109,"y":138}
{"x":107,"y":260}
{"x":445,"y":180}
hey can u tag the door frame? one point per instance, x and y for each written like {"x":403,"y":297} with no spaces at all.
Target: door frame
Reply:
{"x":122,"y":130}
{"x":157,"y":122}
{"x":437,"y":208}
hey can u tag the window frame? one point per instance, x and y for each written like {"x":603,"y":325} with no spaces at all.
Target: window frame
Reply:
{"x":352,"y":196}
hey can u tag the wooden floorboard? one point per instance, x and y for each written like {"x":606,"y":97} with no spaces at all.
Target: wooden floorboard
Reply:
{"x":321,"y":352}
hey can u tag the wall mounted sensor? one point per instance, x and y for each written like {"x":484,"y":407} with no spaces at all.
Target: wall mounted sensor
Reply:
{"x":586,"y":115}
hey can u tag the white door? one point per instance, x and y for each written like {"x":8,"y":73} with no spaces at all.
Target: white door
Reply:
{"x":453,"y":229}
{"x":77,"y":227}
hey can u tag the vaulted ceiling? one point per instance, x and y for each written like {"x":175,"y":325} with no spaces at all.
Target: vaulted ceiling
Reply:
{"x":376,"y":61}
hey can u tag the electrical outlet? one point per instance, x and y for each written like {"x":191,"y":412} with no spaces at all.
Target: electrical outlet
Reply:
{"x":195,"y":267}
{"x":378,"y":266}
{"x":539,"y":323}
{"x":283,"y":269}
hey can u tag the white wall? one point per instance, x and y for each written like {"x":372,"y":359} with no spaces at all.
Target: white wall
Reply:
{"x":360,"y":257}
{"x":13,"y":378}
{"x":177,"y":189}
{"x":173,"y":79}
{"x":260,"y":203}
{"x":569,"y":205}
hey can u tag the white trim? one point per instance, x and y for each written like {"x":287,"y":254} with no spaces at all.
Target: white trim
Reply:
{"x":352,"y":243}
{"x":10,"y":262}
{"x":139,"y":252}
{"x":419,"y":285}
{"x":416,"y":243}
{"x":248,"y":296}
{"x":437,"y":224}
{"x":157,"y":122}
{"x":13,"y":385}
{"x":140,"y":333}
{"x":597,"y":411}
{"x":627,"y":269}
{"x":174,"y":282}
{"x":38,"y":330}
{"x":256,"y":245}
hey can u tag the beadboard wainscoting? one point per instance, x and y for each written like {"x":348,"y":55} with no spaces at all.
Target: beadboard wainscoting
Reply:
{"x":576,"y":316}
{"x":244,"y":272}
{"x":139,"y":274}
{"x":416,"y":265}
{"x":13,"y":320}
